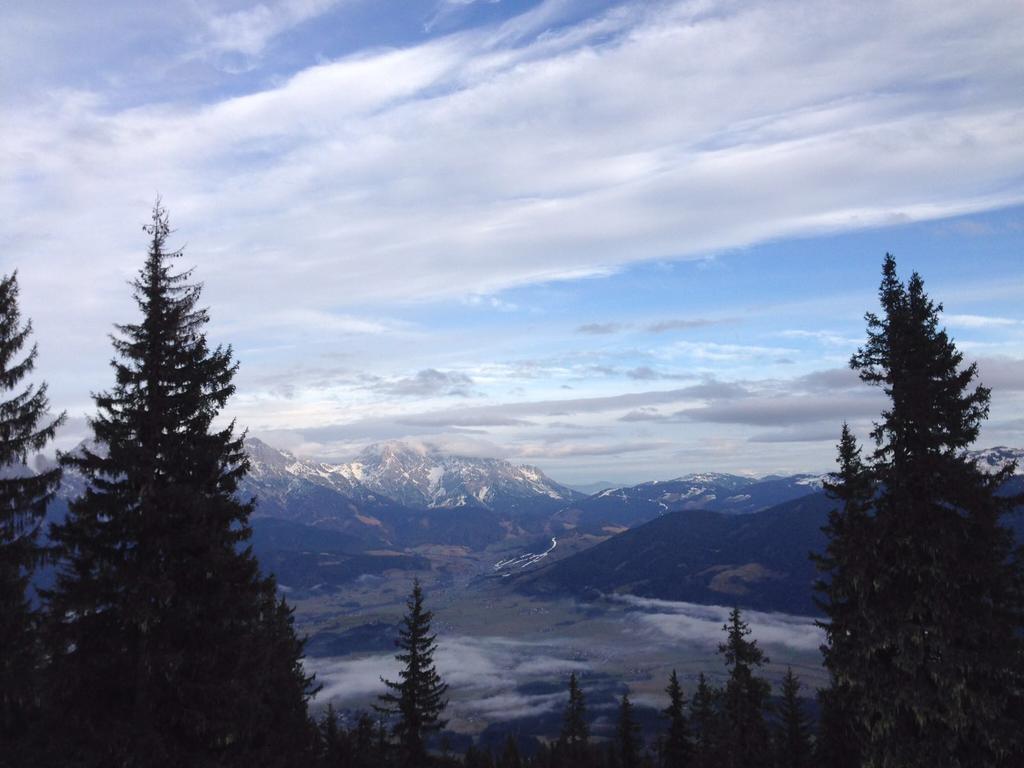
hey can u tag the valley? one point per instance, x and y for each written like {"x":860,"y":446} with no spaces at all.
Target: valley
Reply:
{"x":621,"y":587}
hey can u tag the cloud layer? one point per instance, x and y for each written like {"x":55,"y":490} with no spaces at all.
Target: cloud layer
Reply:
{"x":325,"y":198}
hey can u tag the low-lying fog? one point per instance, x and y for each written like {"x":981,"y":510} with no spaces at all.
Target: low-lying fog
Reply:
{"x":511,"y":666}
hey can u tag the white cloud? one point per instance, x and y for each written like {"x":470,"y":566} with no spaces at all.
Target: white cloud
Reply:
{"x":248,"y":30}
{"x":979,"y":321}
{"x":503,"y":156}
{"x":465,"y":166}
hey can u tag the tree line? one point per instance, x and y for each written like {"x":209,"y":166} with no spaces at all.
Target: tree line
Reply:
{"x":733,"y":725}
{"x":160,"y":642}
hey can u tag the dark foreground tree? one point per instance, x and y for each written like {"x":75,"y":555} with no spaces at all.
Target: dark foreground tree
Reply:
{"x":849,"y":567}
{"x":416,"y":700}
{"x":837,"y":743}
{"x":792,"y":731}
{"x":931,"y":651}
{"x":628,"y":736}
{"x":574,"y":740}
{"x":24,"y":495}
{"x":510,"y":757}
{"x":745,"y":741}
{"x":677,"y":749}
{"x":704,"y":717}
{"x":168,"y":647}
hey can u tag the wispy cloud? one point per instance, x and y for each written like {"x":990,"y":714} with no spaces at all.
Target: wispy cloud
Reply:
{"x":248,"y":30}
{"x":682,"y":324}
{"x":326,"y":198}
{"x":429,"y":382}
{"x":598,"y":329}
{"x":979,"y":321}
{"x":643,"y":163}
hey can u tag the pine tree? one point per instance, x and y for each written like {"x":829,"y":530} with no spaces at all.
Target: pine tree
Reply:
{"x":476,"y":758}
{"x":932,"y":653}
{"x":368,"y":743}
{"x":792,"y":732}
{"x":417,"y":699}
{"x":510,"y":757}
{"x":575,"y":737}
{"x":332,"y":747}
{"x":677,"y":750}
{"x":628,"y":735}
{"x":837,"y":744}
{"x":745,"y":738}
{"x":24,"y":495}
{"x":847,"y":588}
{"x":168,"y":647}
{"x":704,"y":715}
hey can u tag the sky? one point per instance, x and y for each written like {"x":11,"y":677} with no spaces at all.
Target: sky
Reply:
{"x":617,"y":240}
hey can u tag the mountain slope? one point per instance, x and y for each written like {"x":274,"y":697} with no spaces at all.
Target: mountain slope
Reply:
{"x":617,"y":508}
{"x":757,"y":561}
{"x":422,"y":479}
{"x":419,"y":479}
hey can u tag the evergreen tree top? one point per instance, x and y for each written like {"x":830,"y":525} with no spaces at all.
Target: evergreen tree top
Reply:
{"x":165,"y":639}
{"x":737,"y":650}
{"x":920,"y":369}
{"x":574,"y":725}
{"x":23,"y":426}
{"x":417,"y":698}
{"x":628,"y":733}
{"x":675,"y":697}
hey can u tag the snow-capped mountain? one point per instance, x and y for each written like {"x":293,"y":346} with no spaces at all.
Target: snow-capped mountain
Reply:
{"x":992,"y":460}
{"x":420,"y":479}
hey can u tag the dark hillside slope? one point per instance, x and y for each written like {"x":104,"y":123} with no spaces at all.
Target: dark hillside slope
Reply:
{"x":615,"y":508}
{"x":758,"y":561}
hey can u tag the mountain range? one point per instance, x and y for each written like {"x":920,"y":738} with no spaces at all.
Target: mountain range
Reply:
{"x":394,"y":495}
{"x":702,"y":537}
{"x":758,"y":561}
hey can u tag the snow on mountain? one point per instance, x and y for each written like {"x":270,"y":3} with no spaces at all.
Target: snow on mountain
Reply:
{"x":991,"y":460}
{"x":419,"y":479}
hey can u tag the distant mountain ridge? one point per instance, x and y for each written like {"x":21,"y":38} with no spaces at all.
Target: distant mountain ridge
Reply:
{"x":395,"y":495}
{"x":758,"y":561}
{"x":420,"y":479}
{"x":615,"y":509}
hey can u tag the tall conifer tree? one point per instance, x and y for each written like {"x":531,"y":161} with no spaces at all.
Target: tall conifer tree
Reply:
{"x":932,"y":655}
{"x":792,"y":731}
{"x":168,"y":647}
{"x":417,"y":698}
{"x":575,"y":737}
{"x":677,"y":749}
{"x":25,"y":429}
{"x":510,"y":757}
{"x":847,"y":587}
{"x":837,"y":743}
{"x":745,"y":740}
{"x":628,"y":736}
{"x":704,"y":716}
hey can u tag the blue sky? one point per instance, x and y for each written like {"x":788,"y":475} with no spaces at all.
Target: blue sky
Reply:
{"x":621,"y":241}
